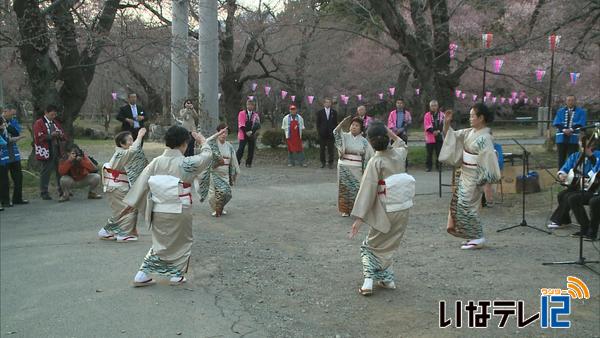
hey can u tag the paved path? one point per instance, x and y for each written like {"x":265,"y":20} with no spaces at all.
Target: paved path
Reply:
{"x":58,"y":280}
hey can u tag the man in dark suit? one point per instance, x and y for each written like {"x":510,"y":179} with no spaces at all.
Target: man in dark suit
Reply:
{"x":326,"y":122}
{"x":132,"y":116}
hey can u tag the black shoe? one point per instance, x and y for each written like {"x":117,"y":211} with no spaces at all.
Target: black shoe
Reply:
{"x":578,"y":233}
{"x":322,"y":165}
{"x":428,"y":170}
{"x":7,"y":205}
{"x":22,"y":202}
{"x":46,"y":197}
{"x":590,"y":238}
{"x":1,"y":209}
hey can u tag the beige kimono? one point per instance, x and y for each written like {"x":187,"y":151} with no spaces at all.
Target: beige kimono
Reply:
{"x":116,"y":180}
{"x":354,"y":152}
{"x":171,"y":231}
{"x":473,"y":152}
{"x":385,"y":229}
{"x":216,"y":182}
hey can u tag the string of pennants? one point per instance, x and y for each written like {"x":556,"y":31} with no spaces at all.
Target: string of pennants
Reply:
{"x":487,"y":39}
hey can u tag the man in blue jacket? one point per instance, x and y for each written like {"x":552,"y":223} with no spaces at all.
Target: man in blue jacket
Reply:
{"x":566,"y":121}
{"x":591,"y":197}
{"x":591,"y":157}
{"x":10,"y":159}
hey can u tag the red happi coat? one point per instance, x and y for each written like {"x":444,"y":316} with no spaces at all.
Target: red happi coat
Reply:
{"x":40,"y":138}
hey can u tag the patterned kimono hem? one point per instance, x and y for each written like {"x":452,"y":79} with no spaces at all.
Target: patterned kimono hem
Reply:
{"x":153,"y":264}
{"x":372,"y":267}
{"x":349,"y":185}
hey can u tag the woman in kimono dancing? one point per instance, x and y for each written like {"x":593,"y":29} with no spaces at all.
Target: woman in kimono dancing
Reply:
{"x":165,"y":187}
{"x":354,"y":152}
{"x":216,"y":182}
{"x":472,"y":151}
{"x":385,"y":228}
{"x":117,"y":176}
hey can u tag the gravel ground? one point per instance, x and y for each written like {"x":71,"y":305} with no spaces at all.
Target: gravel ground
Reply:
{"x":280,"y":265}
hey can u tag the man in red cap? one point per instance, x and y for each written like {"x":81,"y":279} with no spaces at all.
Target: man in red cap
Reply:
{"x":292,"y":125}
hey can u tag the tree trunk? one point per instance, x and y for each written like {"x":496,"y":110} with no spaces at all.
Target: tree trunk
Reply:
{"x":77,"y":68}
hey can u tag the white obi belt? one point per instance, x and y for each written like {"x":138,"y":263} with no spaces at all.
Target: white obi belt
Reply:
{"x":169,"y":194}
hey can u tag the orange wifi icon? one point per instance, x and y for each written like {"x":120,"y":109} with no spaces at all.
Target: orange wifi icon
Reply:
{"x":577,"y":288}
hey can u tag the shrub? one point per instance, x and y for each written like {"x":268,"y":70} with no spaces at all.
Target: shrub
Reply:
{"x":272,"y":138}
{"x":310,"y":136}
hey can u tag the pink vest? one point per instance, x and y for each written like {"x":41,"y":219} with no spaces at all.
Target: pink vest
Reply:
{"x":393,"y":118}
{"x":242,"y":119}
{"x":428,"y":123}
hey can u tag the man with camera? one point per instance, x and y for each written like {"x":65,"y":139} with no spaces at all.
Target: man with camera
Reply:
{"x":77,"y":169}
{"x":49,"y":139}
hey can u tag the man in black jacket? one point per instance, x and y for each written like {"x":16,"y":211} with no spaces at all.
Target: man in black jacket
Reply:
{"x":132,"y":116}
{"x":326,"y":122}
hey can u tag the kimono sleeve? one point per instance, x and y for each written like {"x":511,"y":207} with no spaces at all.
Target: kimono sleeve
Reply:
{"x":338,"y":137}
{"x":235,"y":165}
{"x":138,"y":193}
{"x":128,"y":154}
{"x":452,"y":148}
{"x":369,"y":152}
{"x":488,"y":170}
{"x":193,"y":166}
{"x":400,"y":147}
{"x":367,"y":205}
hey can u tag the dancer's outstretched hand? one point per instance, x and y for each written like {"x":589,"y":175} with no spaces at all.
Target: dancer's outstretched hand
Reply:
{"x":448,"y":114}
{"x":355,"y":227}
{"x":198,"y":137}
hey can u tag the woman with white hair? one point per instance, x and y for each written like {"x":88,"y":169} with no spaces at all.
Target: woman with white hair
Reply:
{"x":433,"y":123}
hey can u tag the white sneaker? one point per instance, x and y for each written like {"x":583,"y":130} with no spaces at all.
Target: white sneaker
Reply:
{"x":224,"y":212}
{"x":105,"y":235}
{"x":345,"y":214}
{"x":554,"y":225}
{"x":127,"y":238}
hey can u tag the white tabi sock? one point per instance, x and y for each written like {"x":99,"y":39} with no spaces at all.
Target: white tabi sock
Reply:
{"x":140,"y":276}
{"x":367,"y":284}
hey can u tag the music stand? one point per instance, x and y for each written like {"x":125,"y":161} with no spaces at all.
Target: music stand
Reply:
{"x":580,"y":260}
{"x":525,"y":171}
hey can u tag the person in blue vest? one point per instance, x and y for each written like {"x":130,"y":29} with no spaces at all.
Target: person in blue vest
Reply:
{"x":2,"y":144}
{"x":590,"y":158}
{"x":566,"y":121}
{"x":10,"y":159}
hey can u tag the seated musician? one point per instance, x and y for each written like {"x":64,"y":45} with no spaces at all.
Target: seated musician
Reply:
{"x":570,"y":169}
{"x":591,"y":196}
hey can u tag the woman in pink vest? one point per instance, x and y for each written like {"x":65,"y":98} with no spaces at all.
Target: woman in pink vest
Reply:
{"x":248,"y":126}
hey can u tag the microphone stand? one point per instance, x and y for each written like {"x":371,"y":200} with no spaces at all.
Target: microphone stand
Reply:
{"x":525,"y":171}
{"x":580,"y":260}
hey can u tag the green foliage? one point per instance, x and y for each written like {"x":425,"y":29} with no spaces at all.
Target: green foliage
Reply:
{"x":272,"y":138}
{"x":311,"y":136}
